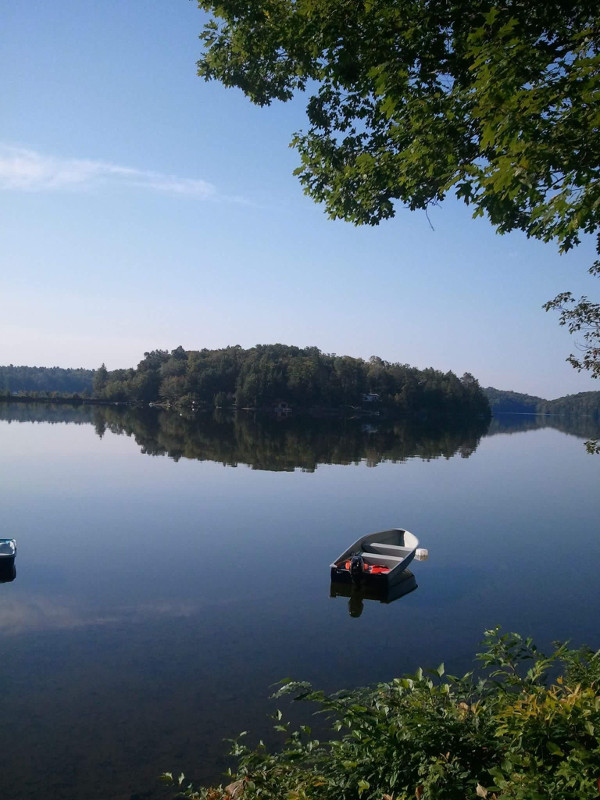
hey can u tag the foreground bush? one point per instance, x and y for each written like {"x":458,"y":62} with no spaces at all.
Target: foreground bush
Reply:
{"x":525,"y":726}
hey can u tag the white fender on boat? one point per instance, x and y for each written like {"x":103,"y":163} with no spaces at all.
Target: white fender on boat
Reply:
{"x":421,"y":554}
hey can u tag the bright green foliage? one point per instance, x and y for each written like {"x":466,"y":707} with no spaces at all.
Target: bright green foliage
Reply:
{"x":582,"y":316}
{"x":510,"y":732}
{"x":413,"y":98}
{"x":409,"y":100}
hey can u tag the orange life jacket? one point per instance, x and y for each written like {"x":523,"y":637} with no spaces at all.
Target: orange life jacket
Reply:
{"x":371,"y":569}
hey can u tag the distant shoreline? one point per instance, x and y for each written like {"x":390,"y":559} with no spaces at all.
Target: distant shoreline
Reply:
{"x":65,"y":399}
{"x":340,"y":412}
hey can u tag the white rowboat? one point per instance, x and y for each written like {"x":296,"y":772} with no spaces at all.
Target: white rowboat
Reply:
{"x":376,"y":558}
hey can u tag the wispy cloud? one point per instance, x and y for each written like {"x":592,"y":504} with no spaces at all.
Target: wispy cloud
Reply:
{"x":30,"y":171}
{"x":39,"y":612}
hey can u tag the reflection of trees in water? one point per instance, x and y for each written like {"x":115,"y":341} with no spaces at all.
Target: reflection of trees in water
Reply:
{"x":46,"y":412}
{"x":291,"y":443}
{"x":574,"y":425}
{"x":266,"y":443}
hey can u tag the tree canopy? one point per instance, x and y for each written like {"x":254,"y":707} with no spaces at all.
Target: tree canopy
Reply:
{"x":415,"y":98}
{"x":270,"y":374}
{"x":45,"y":379}
{"x":409,"y":100}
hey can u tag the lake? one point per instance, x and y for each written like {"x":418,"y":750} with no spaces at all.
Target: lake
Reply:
{"x":171,"y":570}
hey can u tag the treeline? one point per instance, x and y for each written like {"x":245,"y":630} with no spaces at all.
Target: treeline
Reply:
{"x":582,"y":404}
{"x":266,"y":375}
{"x":41,"y":380}
{"x":304,"y":378}
{"x":516,"y":402}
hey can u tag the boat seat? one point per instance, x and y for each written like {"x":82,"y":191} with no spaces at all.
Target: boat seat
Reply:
{"x":384,"y":560}
{"x":389,"y":549}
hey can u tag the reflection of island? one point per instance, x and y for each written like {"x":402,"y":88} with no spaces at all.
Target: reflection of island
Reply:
{"x":290,"y":444}
{"x":46,"y":412}
{"x":584,"y":427}
{"x":267,"y":443}
{"x":383,"y":594}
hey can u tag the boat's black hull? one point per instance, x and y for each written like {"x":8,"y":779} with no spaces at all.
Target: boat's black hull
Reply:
{"x":341,"y":575}
{"x":381,"y":592}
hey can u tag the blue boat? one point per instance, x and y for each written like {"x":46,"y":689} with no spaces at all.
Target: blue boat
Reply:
{"x":8,"y":551}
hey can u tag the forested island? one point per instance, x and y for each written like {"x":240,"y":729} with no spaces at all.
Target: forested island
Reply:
{"x":284,"y":378}
{"x":272,"y":377}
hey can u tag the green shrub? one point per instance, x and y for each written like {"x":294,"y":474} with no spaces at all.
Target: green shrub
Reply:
{"x":525,"y":726}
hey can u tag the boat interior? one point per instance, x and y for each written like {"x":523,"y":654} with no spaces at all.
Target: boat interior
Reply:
{"x":7,"y":547}
{"x":390,"y":548}
{"x":394,"y":550}
{"x":387,"y":555}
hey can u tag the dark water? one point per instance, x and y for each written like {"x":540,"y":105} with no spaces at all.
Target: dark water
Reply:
{"x":170,"y":571}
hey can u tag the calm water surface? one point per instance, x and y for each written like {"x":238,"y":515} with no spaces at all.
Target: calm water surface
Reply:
{"x":170,"y":571}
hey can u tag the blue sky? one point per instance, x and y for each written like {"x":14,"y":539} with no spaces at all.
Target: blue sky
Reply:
{"x":143,"y":208}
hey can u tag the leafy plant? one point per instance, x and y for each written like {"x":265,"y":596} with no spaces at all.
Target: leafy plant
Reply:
{"x":524,"y":727}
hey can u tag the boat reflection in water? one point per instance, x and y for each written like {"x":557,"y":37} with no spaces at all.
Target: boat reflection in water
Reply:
{"x":382,"y":593}
{"x":8,"y":571}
